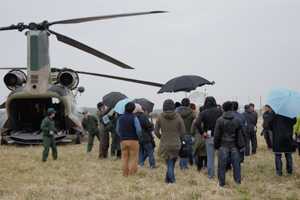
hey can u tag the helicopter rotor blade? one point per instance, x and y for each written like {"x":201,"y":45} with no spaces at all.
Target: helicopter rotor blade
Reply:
{"x":87,"y":19}
{"x":12,"y":27}
{"x":88,"y":49}
{"x":10,"y":68}
{"x":122,"y":78}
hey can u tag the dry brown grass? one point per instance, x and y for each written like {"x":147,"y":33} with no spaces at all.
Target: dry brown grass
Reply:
{"x":78,"y":175}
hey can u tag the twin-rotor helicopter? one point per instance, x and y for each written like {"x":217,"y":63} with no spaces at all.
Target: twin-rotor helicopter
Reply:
{"x":42,"y":87}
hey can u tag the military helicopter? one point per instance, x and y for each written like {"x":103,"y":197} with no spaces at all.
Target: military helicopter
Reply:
{"x":44,"y":87}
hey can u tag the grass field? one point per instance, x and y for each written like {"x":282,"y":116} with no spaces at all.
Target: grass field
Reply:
{"x":78,"y":175}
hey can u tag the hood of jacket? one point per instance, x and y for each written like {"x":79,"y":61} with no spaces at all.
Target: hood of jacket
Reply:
{"x":138,"y":111}
{"x":169,"y":114}
{"x":138,"y":114}
{"x":210,"y":102}
{"x":228,"y":115}
{"x":248,"y":111}
{"x":168,"y":105}
{"x":184,"y":111}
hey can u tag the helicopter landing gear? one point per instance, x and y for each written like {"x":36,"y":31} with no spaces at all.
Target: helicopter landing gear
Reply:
{"x":78,"y":140}
{"x":3,"y":142}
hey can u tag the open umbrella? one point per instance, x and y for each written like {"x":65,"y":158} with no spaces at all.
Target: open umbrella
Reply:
{"x":199,"y":97}
{"x":284,"y":102}
{"x":184,"y":83}
{"x":145,"y":103}
{"x":120,"y":106}
{"x":112,"y":98}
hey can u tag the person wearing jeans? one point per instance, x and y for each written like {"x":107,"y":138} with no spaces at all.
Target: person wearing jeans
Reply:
{"x":251,"y":118}
{"x":227,"y":129}
{"x":223,"y":155}
{"x":170,"y":176}
{"x":210,"y":150}
{"x":188,"y":116}
{"x":170,"y":129}
{"x":209,"y":113}
{"x":289,"y":163}
{"x":282,"y":129}
{"x":183,"y":161}
{"x":146,"y":148}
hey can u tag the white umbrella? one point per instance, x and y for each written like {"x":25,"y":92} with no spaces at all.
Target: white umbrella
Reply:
{"x":198,"y":98}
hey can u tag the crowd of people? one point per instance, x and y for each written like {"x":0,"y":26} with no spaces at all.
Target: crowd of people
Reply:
{"x":213,"y":129}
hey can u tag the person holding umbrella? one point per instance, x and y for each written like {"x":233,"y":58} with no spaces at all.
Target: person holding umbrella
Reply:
{"x":282,"y":128}
{"x":286,"y":106}
{"x":104,"y":133}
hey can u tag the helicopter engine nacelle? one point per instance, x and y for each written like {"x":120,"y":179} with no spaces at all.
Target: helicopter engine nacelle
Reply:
{"x":14,"y":78}
{"x":68,"y":78}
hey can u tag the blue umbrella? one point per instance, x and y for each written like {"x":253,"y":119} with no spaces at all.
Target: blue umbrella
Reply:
{"x":284,"y":102}
{"x":120,"y":106}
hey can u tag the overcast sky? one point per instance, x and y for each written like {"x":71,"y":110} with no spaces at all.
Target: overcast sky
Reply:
{"x":247,"y":47}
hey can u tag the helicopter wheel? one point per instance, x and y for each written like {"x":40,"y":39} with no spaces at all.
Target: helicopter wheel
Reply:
{"x":78,"y":140}
{"x":3,"y":142}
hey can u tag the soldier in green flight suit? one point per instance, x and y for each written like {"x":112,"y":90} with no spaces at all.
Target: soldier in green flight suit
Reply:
{"x":48,"y":128}
{"x":90,"y":123}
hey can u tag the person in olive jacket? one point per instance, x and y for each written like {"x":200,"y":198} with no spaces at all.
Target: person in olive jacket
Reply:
{"x":90,"y":123}
{"x":170,"y":129}
{"x":199,"y":148}
{"x":104,"y":133}
{"x":48,"y":128}
{"x":188,"y":116}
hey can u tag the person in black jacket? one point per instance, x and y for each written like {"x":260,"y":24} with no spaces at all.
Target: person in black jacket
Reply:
{"x":282,"y":128}
{"x":209,"y":116}
{"x":225,"y":142}
{"x":251,"y":118}
{"x":267,"y":124}
{"x":146,"y":137}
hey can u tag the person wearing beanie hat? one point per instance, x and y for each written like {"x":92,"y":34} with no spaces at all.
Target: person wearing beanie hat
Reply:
{"x":48,"y":128}
{"x":90,"y":123}
{"x":129,"y":129}
{"x":146,"y":148}
{"x":170,"y":129}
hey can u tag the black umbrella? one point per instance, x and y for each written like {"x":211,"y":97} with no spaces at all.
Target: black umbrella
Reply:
{"x":184,"y":83}
{"x":145,"y":103}
{"x":112,"y":98}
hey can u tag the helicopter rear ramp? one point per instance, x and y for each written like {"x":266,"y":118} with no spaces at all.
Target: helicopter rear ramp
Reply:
{"x":36,"y":139}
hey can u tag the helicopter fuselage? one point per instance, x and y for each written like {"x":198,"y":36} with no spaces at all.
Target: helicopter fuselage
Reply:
{"x":26,"y":105}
